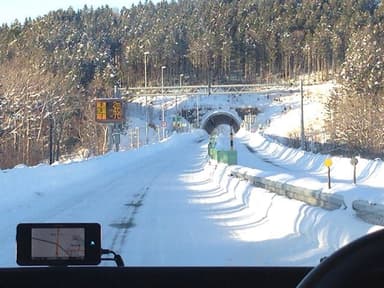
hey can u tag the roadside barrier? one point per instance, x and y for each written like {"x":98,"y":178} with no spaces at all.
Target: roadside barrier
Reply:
{"x":372,"y":213}
{"x":223,"y":156}
{"x":312,"y":197}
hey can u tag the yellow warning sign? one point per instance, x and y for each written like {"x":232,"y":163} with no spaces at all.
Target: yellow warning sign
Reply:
{"x":109,"y":110}
{"x":328,"y":162}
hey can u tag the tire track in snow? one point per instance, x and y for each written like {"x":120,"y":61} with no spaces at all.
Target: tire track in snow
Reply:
{"x":126,"y":222}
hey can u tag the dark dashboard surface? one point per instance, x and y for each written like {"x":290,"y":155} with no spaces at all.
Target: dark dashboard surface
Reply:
{"x":152,"y":276}
{"x":223,"y":277}
{"x":357,"y":264}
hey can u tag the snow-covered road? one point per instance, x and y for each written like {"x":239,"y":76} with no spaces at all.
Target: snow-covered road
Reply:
{"x":165,"y":205}
{"x":142,"y":199}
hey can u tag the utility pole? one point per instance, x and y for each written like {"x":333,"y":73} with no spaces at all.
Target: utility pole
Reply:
{"x":115,"y":133}
{"x":197,"y":111}
{"x":162,"y":106}
{"x":302,"y":135}
{"x":51,"y":126}
{"x":146,"y":53}
{"x":181,"y":84}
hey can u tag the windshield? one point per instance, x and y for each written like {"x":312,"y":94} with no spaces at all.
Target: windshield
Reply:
{"x":196,"y":133}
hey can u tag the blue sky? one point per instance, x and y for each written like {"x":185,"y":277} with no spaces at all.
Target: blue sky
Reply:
{"x":20,"y":9}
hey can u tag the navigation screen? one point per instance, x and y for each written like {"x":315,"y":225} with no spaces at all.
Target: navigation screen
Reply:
{"x":58,"y":243}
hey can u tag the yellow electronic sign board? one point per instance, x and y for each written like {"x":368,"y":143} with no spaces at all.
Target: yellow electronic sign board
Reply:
{"x":109,"y":110}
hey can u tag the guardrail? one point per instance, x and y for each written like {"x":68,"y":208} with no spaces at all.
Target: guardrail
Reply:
{"x":312,"y":197}
{"x":372,"y":213}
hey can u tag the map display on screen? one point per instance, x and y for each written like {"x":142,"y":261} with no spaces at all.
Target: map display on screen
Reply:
{"x":58,"y":243}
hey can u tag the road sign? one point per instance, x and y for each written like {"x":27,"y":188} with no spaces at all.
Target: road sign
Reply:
{"x":164,"y":124}
{"x":328,"y":162}
{"x":109,"y":110}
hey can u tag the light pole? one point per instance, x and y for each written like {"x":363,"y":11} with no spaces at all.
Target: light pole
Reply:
{"x":181,"y":84}
{"x":302,"y":134}
{"x":162,"y":96}
{"x":146,"y":53}
{"x":197,"y":111}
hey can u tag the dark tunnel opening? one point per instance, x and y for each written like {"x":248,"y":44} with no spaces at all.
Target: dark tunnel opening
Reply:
{"x":217,"y":119}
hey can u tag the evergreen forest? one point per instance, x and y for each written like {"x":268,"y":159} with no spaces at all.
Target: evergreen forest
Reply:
{"x":53,"y":66}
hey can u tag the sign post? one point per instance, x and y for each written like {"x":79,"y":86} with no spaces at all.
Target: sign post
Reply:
{"x":328,"y":164}
{"x":354,"y":162}
{"x":110,"y":111}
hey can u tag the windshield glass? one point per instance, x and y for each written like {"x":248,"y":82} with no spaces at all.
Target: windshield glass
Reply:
{"x":196,"y":133}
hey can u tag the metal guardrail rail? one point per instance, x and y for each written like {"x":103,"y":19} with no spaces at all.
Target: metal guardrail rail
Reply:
{"x":312,"y":197}
{"x":372,"y":213}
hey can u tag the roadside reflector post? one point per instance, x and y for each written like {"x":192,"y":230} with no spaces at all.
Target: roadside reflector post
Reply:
{"x":354,"y":162}
{"x":328,"y":164}
{"x":231,"y":139}
{"x":138,"y":137}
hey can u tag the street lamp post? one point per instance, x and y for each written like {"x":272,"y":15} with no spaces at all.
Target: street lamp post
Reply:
{"x":197,"y":111}
{"x":302,"y":134}
{"x":146,"y":53}
{"x":162,"y":96}
{"x":181,"y":84}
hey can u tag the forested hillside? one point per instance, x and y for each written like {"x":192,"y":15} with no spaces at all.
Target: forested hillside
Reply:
{"x":51,"y":67}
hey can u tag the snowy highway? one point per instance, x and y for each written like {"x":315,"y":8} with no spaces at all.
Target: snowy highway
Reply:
{"x":166,"y":205}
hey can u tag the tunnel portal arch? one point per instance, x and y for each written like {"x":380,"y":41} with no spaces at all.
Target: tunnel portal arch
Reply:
{"x":216,"y":118}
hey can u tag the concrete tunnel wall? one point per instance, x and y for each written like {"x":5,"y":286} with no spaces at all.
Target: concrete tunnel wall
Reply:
{"x":214,"y":119}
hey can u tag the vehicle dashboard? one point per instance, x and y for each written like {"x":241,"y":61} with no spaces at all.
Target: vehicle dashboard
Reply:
{"x":152,"y":276}
{"x":357,"y":264}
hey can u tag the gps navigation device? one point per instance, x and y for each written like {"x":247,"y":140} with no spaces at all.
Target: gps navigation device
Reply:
{"x":58,"y":244}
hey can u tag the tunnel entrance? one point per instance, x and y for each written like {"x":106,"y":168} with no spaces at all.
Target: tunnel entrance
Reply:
{"x":213,"y":120}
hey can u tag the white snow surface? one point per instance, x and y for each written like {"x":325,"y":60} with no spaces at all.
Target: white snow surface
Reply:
{"x":167,"y":204}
